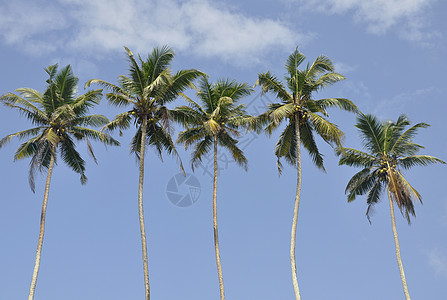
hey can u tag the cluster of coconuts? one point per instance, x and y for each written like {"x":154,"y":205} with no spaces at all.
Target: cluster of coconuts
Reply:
{"x":383,"y":170}
{"x":304,"y":116}
{"x":57,"y":128}
{"x":302,"y":113}
{"x":149,"y":120}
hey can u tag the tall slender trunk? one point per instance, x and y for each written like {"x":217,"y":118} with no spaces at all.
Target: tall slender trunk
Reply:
{"x":396,"y":243}
{"x":295,"y":209}
{"x":140,"y":209}
{"x":42,"y":229}
{"x":216,"y":238}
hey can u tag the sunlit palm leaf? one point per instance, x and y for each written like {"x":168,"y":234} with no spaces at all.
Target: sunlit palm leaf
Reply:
{"x":270,"y":83}
{"x":419,"y":160}
{"x":20,"y":135}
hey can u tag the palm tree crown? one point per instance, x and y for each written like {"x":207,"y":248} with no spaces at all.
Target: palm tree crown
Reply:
{"x":148,"y":88}
{"x":298,"y":106}
{"x":217,"y":117}
{"x":390,"y":150}
{"x":60,"y":118}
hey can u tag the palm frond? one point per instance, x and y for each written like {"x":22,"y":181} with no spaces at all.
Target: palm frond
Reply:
{"x":206,"y":94}
{"x":28,"y":148}
{"x":160,"y":82}
{"x":327,"y":79}
{"x":371,"y":131}
{"x":401,"y":194}
{"x":194,"y":105}
{"x":157,"y":61}
{"x":191,"y":136}
{"x":86,"y":101}
{"x":294,"y":61}
{"x":232,"y":89}
{"x":286,"y":146}
{"x":269,"y":83}
{"x":64,"y":112}
{"x":122,"y":121}
{"x":341,"y":103}
{"x":330,"y":133}
{"x":373,"y":197}
{"x":187,"y":116}
{"x":419,"y":160}
{"x":43,"y":150}
{"x":117,"y":96}
{"x":52,"y":136}
{"x":180,"y":81}
{"x":29,"y":110}
{"x":282,"y":112}
{"x":72,"y":158}
{"x":320,"y":65}
{"x":408,"y":186}
{"x":135,"y":144}
{"x":230,"y":144}
{"x":31,"y":95}
{"x":403,"y":144}
{"x":83,"y":132}
{"x":308,"y":141}
{"x":360,"y":184}
{"x":201,"y":148}
{"x":20,"y":135}
{"x":355,"y":180}
{"x":91,"y":120}
{"x":66,"y":84}
{"x":160,"y":138}
{"x":355,"y":158}
{"x":135,"y":73}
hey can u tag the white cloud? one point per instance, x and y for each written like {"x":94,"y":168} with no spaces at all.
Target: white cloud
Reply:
{"x":438,"y":261}
{"x":25,"y":24}
{"x":95,"y":27}
{"x":380,"y":16}
{"x":344,"y":68}
{"x":400,"y":102}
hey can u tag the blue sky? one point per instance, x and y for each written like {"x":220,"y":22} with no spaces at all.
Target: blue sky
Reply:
{"x":393,"y":56}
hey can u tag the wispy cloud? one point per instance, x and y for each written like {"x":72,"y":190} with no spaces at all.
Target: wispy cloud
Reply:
{"x":406,"y":17}
{"x":201,"y":27}
{"x":344,"y":68}
{"x":438,"y":261}
{"x":400,"y":102}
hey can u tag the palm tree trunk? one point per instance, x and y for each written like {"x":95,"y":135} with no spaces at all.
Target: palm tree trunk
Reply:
{"x":42,"y":229}
{"x":140,"y":209}
{"x":295,"y":209}
{"x":396,"y":242}
{"x":216,"y":238}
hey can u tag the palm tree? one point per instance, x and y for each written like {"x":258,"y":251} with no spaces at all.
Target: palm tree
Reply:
{"x":305,"y":116}
{"x":214,"y":122}
{"x":390,"y":147}
{"x":60,"y":117}
{"x":149,"y":87}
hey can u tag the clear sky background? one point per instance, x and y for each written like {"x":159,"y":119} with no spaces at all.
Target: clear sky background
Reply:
{"x":393,"y":54}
